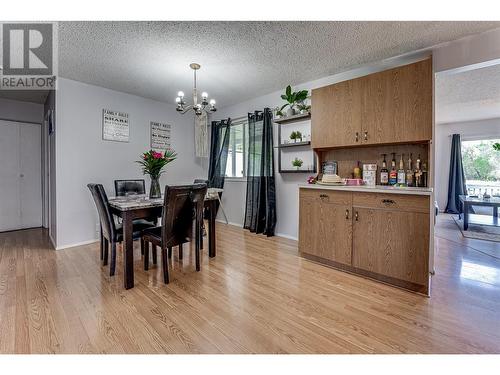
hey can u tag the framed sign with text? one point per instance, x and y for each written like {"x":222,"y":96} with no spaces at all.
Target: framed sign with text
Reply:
{"x":115,"y":126}
{"x":160,"y":136}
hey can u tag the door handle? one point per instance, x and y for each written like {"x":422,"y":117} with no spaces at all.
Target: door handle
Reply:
{"x":356,"y":216}
{"x":357,"y":136}
{"x":347,"y":214}
{"x":366,"y":136}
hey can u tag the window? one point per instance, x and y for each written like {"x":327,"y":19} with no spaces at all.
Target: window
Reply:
{"x":238,"y":146}
{"x":481,"y":166}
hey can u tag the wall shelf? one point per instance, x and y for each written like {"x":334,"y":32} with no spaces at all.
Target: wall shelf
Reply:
{"x":296,"y":144}
{"x":303,"y":150}
{"x":297,"y":171}
{"x":294,"y":118}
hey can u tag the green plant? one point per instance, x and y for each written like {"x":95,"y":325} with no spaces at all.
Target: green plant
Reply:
{"x":496,"y":146}
{"x":153,"y":162}
{"x":297,"y":162}
{"x":293,"y":98}
{"x":304,"y":107}
{"x":296,"y":135}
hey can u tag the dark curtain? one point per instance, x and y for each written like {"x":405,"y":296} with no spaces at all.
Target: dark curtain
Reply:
{"x":456,"y":182}
{"x":260,"y":212}
{"x":219,"y":144}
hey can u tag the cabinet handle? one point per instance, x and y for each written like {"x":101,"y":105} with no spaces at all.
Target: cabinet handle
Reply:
{"x":356,"y":216}
{"x":323,"y":196}
{"x":388,"y":201}
{"x":347,"y":214}
{"x":366,"y":136}
{"x":357,"y":136}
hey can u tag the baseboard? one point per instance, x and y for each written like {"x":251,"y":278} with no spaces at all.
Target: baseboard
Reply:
{"x":52,"y":241}
{"x":230,"y":223}
{"x":276,"y":234}
{"x":287,"y":236}
{"x":77,"y":244}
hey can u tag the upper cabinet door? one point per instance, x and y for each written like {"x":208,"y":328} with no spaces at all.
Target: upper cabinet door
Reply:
{"x":336,"y":115}
{"x":397,"y":105}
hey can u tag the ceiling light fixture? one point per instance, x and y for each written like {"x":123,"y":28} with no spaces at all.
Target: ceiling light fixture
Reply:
{"x":199,"y":108}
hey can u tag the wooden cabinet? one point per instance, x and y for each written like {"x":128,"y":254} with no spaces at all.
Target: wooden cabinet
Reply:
{"x":379,"y":235}
{"x":397,"y":105}
{"x":393,"y":106}
{"x":336,"y":115}
{"x":326,"y":225}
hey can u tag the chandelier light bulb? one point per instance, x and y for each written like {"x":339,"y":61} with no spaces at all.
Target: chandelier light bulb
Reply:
{"x":199,"y":107}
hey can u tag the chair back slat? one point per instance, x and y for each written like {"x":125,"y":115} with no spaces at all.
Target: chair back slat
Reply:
{"x":177,"y":216}
{"x":129,"y":187}
{"x":102,"y":205}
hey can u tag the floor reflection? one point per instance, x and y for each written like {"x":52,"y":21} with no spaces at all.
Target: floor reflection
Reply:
{"x":478,"y":272}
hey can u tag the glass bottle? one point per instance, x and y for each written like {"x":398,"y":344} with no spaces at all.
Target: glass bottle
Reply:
{"x":393,"y":174}
{"x":384,"y":173}
{"x":409,"y":173}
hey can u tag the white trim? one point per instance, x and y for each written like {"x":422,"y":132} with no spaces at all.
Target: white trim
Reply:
{"x":229,"y":223}
{"x":287,"y":236}
{"x":52,"y":241}
{"x":277,"y":234}
{"x":77,"y":244}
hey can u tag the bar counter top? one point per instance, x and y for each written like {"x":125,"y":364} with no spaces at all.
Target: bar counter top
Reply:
{"x":371,"y":189}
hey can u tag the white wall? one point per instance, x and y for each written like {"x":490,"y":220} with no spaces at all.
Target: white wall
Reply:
{"x":83,"y":157}
{"x":287,"y":184}
{"x":15,"y":110}
{"x":468,"y":130}
{"x":471,"y":52}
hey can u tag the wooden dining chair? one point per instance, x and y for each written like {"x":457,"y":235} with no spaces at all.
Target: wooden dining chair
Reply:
{"x":125,"y":188}
{"x":110,"y":231}
{"x":129,"y":187}
{"x":177,"y":224}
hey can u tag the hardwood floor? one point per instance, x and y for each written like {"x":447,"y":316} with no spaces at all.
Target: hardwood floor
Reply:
{"x":256,"y":296}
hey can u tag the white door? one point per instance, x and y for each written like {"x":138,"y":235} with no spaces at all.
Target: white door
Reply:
{"x":20,"y":176}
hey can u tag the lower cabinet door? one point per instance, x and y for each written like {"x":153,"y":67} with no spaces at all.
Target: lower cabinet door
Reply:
{"x":307,"y":207}
{"x":392,"y":243}
{"x":330,"y":229}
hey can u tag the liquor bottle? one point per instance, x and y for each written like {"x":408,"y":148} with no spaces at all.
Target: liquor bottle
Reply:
{"x":401,"y":172}
{"x":425,"y":175}
{"x":409,"y":173}
{"x":393,"y":173}
{"x":384,"y":173}
{"x":418,"y":173}
{"x":357,"y":171}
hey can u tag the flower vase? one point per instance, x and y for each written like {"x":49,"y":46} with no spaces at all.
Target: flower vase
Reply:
{"x":155,"y":190}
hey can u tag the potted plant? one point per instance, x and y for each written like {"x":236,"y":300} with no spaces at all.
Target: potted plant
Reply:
{"x":152,"y":164}
{"x":304,"y":108}
{"x":297,"y":163}
{"x":292,"y":98}
{"x":293,"y":136}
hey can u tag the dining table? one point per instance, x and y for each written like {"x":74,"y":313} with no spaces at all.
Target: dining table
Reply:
{"x":139,"y":206}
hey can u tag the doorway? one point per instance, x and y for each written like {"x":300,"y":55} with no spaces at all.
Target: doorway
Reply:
{"x":20,"y":175}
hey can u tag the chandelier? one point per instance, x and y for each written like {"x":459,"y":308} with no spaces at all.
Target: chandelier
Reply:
{"x":204,"y":106}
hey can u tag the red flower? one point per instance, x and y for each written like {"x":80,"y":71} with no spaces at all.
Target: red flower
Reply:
{"x":157,"y":155}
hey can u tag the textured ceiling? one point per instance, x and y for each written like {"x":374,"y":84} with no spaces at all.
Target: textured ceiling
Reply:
{"x":466,"y":96}
{"x":240,"y":60}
